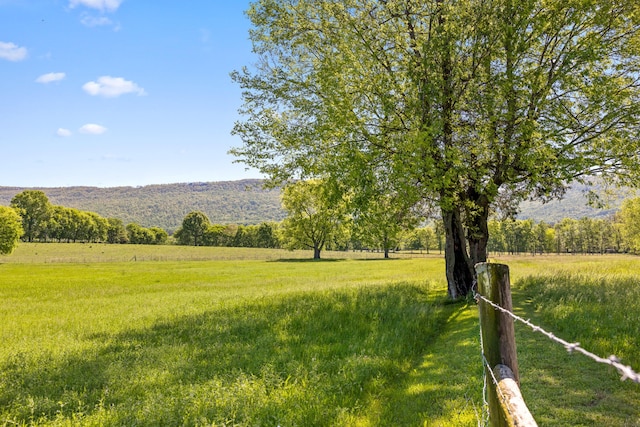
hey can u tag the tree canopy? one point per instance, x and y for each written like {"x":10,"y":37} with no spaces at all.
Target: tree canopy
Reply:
{"x":630,"y":219}
{"x":194,"y":227}
{"x":35,"y":210}
{"x":10,"y":229}
{"x":315,"y":218}
{"x":459,"y":104}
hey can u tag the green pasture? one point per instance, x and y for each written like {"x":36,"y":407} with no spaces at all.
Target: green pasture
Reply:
{"x":110,"y":335}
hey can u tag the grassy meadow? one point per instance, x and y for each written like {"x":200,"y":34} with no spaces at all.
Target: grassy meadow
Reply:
{"x":111,"y":335}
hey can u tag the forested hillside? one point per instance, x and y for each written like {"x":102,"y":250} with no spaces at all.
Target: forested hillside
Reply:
{"x":241,"y":202}
{"x":575,"y":205}
{"x":165,"y":206}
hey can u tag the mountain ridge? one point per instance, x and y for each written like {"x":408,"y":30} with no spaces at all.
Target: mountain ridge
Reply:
{"x":165,"y":205}
{"x":245,"y":202}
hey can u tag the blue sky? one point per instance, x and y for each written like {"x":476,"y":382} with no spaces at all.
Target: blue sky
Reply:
{"x":120,"y":92}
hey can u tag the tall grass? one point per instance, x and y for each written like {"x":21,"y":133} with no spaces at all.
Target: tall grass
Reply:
{"x":211,"y":336}
{"x":244,"y":342}
{"x":316,"y":359}
{"x":593,"y":300}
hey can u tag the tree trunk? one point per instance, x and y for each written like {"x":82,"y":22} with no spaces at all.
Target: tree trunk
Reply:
{"x":386,"y":252}
{"x":316,"y":252}
{"x":478,"y":232}
{"x":459,"y":269}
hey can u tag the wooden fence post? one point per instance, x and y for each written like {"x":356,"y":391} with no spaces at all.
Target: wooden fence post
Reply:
{"x":498,"y":335}
{"x":512,"y":404}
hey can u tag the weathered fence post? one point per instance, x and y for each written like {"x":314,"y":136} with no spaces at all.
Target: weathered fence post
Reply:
{"x":499,"y":342}
{"x":511,"y":402}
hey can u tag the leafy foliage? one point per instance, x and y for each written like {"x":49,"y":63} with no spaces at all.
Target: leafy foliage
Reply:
{"x":34,"y":209}
{"x":458,"y":103}
{"x":10,"y":229}
{"x":194,"y":227}
{"x":381,"y":223}
{"x":630,"y":223}
{"x":136,"y":234}
{"x":315,"y":216}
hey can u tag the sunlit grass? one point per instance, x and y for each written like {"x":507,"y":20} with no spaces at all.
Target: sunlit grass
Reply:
{"x":102,"y":252}
{"x":244,"y":342}
{"x":215,"y":336}
{"x":315,"y":359}
{"x":593,"y":300}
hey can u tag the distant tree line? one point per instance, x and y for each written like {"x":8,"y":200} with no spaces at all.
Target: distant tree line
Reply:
{"x":43,"y":222}
{"x":32,"y":218}
{"x":576,"y":236}
{"x":317,"y":221}
{"x":619,"y":233}
{"x":197,"y":230}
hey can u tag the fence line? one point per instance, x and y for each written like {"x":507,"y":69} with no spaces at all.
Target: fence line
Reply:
{"x":625,"y":371}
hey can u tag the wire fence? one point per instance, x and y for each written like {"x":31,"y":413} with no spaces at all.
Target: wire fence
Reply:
{"x":626,"y":372}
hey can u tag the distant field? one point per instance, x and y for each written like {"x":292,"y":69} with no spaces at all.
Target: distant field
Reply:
{"x":101,"y":252}
{"x":110,"y":335}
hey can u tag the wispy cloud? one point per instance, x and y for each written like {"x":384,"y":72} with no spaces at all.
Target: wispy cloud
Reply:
{"x":93,"y":21}
{"x":114,"y":158}
{"x":92,"y":129}
{"x":50,"y":77}
{"x":112,"y":87}
{"x":62,"y":132}
{"x":101,"y":5}
{"x":205,"y":35}
{"x":12,"y":52}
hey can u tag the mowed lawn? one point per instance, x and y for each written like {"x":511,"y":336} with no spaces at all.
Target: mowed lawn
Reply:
{"x":130,"y":335}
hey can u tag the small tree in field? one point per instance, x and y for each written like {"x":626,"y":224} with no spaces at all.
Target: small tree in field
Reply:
{"x":315,"y":216}
{"x":10,"y":229}
{"x":194,"y":228}
{"x":382,"y":223}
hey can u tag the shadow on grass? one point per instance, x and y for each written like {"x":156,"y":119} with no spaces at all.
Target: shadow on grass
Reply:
{"x":305,"y":260}
{"x":445,"y":387}
{"x":317,"y":359}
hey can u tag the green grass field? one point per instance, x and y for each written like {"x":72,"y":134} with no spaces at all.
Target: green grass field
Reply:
{"x":130,"y":335}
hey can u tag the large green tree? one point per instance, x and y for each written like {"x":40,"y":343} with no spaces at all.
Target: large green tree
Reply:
{"x":10,"y":229}
{"x":34,"y":209}
{"x":458,"y":103}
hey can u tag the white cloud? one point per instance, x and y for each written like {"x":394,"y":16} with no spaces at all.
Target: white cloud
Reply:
{"x":12,"y":52}
{"x":101,"y":5}
{"x":50,"y":77}
{"x":111,"y":87}
{"x":62,"y":132}
{"x":92,"y":21}
{"x":92,"y":129}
